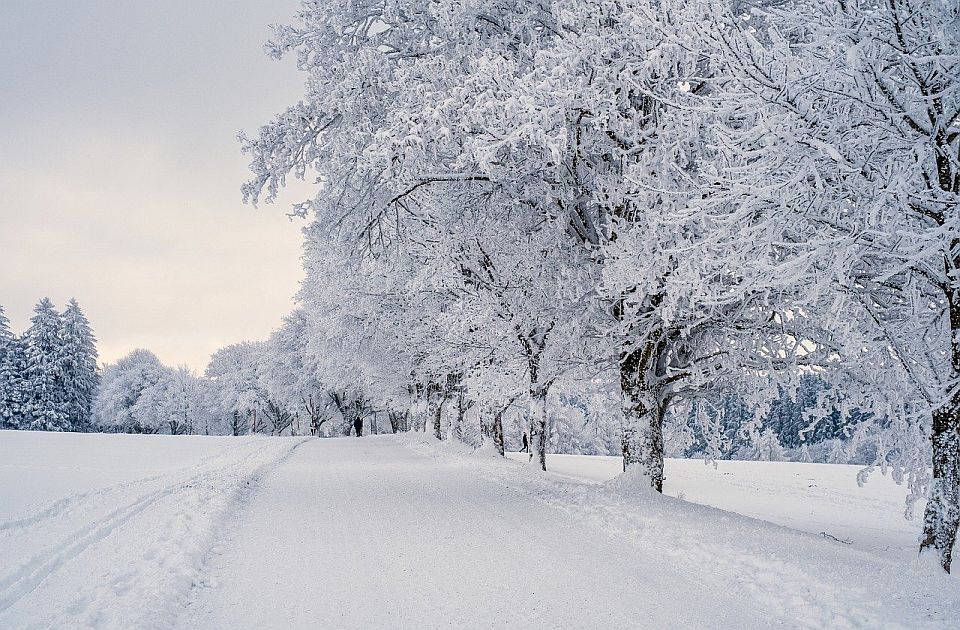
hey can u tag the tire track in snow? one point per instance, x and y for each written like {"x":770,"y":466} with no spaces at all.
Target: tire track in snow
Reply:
{"x":64,"y":504}
{"x":60,"y":506}
{"x":26,"y":578}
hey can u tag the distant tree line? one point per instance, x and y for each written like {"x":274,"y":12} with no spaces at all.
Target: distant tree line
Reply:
{"x":48,"y":375}
{"x":795,"y":427}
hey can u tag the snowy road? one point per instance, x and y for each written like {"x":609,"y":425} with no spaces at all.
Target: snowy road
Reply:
{"x":362,"y":533}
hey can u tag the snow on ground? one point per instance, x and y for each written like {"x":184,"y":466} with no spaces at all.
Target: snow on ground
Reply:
{"x":435,"y":536}
{"x":815,"y":498}
{"x":110,"y":530}
{"x":400,"y":531}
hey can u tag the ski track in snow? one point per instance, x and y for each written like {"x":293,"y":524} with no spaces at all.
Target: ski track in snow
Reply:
{"x":119,"y":555}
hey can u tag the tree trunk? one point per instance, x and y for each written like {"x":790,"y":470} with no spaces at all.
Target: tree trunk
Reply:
{"x":437,"y":417}
{"x":643,"y":414}
{"x":419,"y":406}
{"x":497,"y":432}
{"x":538,"y":425}
{"x":642,"y":439}
{"x":942,"y":514}
{"x":461,"y":414}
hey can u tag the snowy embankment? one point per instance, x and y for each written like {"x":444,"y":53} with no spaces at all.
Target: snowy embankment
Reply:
{"x":112,"y":530}
{"x":774,"y":575}
{"x":822,"y":499}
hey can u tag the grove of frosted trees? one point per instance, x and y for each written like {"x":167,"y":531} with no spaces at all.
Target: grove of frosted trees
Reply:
{"x":49,"y":374}
{"x":670,"y":211}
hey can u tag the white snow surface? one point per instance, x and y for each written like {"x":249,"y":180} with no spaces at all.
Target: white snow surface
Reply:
{"x":823,"y":499}
{"x":111,"y":530}
{"x":400,"y":531}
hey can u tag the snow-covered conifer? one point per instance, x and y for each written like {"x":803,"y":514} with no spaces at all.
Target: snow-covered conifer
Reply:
{"x":45,"y":404}
{"x":79,"y":356}
{"x":10,"y":374}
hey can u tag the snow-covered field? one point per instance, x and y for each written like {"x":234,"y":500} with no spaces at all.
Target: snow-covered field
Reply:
{"x":822,"y":499}
{"x":398,"y":531}
{"x":111,"y":530}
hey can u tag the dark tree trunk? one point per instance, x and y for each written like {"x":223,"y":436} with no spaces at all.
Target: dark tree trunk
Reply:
{"x":497,"y":432}
{"x":398,"y":421}
{"x":256,"y":423}
{"x":434,"y":411}
{"x":533,"y":345}
{"x":643,"y":414}
{"x":437,"y":417}
{"x":642,"y":439}
{"x":942,"y":514}
{"x":538,"y":425}
{"x":491,"y":424}
{"x":462,"y":406}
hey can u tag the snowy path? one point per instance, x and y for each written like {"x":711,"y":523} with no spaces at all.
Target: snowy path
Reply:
{"x":365,"y":533}
{"x":368,"y":533}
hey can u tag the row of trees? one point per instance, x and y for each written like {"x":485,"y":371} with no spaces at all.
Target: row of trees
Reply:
{"x":684,"y":199}
{"x":49,"y":374}
{"x":248,"y":388}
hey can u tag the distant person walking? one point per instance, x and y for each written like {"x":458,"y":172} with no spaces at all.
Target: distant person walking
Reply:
{"x":526,"y":445}
{"x":358,"y":426}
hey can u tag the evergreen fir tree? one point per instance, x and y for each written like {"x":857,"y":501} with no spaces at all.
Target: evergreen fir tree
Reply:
{"x":5,"y":334}
{"x":12,"y":371}
{"x":44,"y":404}
{"x":79,"y":357}
{"x":9,"y":374}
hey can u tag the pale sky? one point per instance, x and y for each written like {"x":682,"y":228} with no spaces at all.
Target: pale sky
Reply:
{"x":120,"y":171}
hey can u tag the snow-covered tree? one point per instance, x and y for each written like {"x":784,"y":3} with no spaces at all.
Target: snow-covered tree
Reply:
{"x":422,"y":183}
{"x":288,"y":373}
{"x":5,"y":335}
{"x":175,"y":403}
{"x":45,"y":404}
{"x":125,"y":401}
{"x":233,"y":370}
{"x":11,"y":369}
{"x":847,"y":114}
{"x":79,"y":356}
{"x":729,"y":196}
